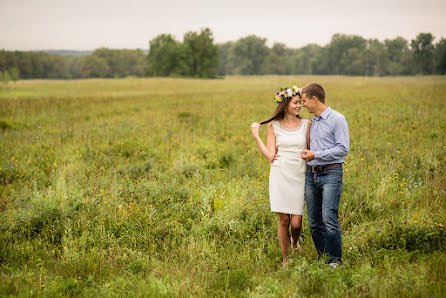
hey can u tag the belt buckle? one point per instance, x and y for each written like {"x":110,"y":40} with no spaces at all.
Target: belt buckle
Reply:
{"x":313,"y":169}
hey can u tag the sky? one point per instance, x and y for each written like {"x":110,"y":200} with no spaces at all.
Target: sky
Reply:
{"x":90,"y":24}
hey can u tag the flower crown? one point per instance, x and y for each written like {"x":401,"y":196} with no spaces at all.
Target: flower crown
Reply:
{"x":287,"y":93}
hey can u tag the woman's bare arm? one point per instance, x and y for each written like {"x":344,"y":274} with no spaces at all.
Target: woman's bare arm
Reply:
{"x":269,"y":150}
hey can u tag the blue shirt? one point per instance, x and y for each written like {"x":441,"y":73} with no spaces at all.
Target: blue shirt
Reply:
{"x":329,"y":139}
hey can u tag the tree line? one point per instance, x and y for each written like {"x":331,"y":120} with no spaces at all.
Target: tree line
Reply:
{"x":198,"y":56}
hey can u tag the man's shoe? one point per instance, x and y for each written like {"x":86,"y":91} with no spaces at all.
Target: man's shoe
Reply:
{"x":333,"y":265}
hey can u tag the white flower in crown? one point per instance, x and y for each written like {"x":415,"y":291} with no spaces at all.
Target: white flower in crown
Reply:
{"x":289,"y":92}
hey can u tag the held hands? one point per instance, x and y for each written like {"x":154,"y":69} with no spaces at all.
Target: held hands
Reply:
{"x":255,"y":129}
{"x":276,"y":156}
{"x":307,"y":155}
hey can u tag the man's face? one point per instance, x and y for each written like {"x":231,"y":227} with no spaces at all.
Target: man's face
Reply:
{"x":308,"y":103}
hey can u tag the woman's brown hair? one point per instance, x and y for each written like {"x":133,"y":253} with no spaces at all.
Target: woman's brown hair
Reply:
{"x":279,"y":113}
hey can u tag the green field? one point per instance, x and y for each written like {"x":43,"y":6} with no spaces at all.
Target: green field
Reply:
{"x":155,"y":187}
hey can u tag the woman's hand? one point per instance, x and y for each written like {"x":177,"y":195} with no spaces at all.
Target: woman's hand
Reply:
{"x":255,"y":129}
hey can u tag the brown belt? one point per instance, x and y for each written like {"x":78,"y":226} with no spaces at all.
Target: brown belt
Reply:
{"x":317,"y":169}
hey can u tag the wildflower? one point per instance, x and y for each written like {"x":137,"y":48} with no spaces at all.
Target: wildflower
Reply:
{"x":66,"y":197}
{"x":414,"y":164}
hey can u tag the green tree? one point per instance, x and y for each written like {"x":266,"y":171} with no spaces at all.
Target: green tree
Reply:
{"x":344,"y":53}
{"x":122,"y":63}
{"x":203,"y":53}
{"x":94,"y":67}
{"x":15,"y":74}
{"x":6,"y":77}
{"x":423,"y":53}
{"x":167,"y":57}
{"x":440,"y":57}
{"x":305,"y":60}
{"x":374,"y":58}
{"x":247,"y":54}
{"x":75,"y":67}
{"x":275,"y":60}
{"x":223,"y":53}
{"x":397,"y":57}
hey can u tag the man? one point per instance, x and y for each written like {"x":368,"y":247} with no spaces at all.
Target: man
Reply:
{"x":329,"y":143}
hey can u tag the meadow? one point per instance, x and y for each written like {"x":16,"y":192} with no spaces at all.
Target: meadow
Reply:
{"x":154,"y":187}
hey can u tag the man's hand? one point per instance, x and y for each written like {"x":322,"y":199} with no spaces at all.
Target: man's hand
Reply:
{"x":276,"y":156}
{"x":307,"y":155}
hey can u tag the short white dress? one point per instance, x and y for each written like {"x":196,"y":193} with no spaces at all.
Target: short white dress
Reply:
{"x":287,"y":174}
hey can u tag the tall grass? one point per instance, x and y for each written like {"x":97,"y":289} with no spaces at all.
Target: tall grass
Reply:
{"x":154,"y":187}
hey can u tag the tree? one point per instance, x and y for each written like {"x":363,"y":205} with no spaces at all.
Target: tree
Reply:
{"x":223,"y":53}
{"x":440,"y":57}
{"x":15,"y":74}
{"x":275,"y":60}
{"x":343,"y":50}
{"x":397,"y":57}
{"x":423,"y":53}
{"x":374,"y":58}
{"x":304,"y":60}
{"x":75,"y":67}
{"x":340,"y":55}
{"x":6,"y":78}
{"x":203,"y":53}
{"x":167,"y":57}
{"x":247,"y":55}
{"x":94,"y":67}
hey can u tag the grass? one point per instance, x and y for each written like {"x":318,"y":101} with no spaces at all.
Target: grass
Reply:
{"x":154,"y":187}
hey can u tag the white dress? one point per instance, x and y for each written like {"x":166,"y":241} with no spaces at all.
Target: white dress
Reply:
{"x":287,"y":174}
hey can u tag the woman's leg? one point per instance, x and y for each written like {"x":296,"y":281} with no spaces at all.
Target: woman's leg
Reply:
{"x":283,"y":234}
{"x":296,"y":230}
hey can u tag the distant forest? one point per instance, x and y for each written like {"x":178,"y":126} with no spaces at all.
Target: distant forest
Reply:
{"x":198,"y":56}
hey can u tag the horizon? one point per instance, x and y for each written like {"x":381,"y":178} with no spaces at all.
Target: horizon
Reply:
{"x":436,"y":39}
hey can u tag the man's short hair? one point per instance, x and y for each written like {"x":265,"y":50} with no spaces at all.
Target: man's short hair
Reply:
{"x":314,"y":89}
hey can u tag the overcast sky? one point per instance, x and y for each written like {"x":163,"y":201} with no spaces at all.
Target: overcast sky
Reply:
{"x":89,"y":24}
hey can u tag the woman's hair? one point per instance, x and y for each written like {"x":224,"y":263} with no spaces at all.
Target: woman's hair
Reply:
{"x":279,"y":113}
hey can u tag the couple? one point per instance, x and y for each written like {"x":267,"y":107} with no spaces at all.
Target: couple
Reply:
{"x":306,"y":166}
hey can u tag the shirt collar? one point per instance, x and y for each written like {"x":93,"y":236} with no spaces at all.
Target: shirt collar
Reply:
{"x":324,"y":114}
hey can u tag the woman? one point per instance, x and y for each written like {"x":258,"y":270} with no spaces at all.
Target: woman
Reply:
{"x":287,"y":135}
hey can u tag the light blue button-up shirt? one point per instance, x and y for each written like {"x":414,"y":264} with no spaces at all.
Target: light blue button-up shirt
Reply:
{"x":329,"y":139}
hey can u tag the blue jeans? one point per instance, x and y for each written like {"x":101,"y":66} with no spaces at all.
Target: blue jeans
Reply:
{"x":322,"y":195}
